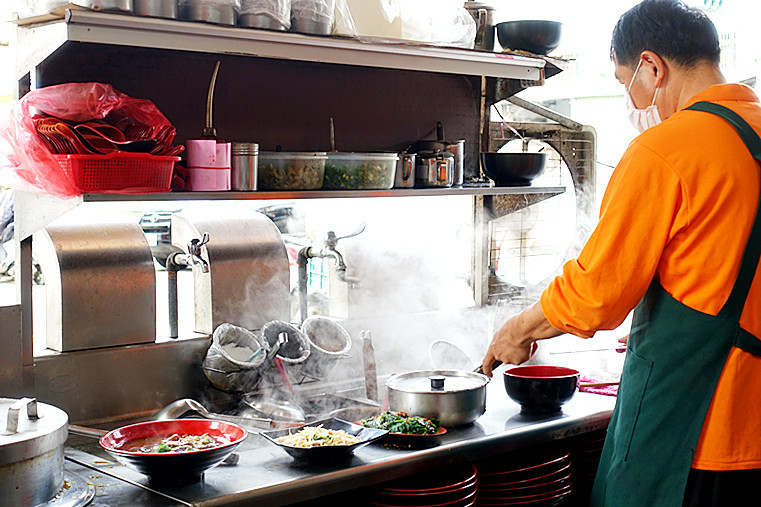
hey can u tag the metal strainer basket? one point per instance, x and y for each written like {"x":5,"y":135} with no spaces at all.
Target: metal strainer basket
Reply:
{"x":235,"y":359}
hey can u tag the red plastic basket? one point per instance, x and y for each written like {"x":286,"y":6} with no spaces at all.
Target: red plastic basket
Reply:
{"x":120,"y":172}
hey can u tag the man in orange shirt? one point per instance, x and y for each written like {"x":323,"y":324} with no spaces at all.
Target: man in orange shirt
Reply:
{"x":678,"y":238}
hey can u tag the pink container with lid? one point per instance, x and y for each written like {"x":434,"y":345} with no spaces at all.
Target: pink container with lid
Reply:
{"x":209,"y":165}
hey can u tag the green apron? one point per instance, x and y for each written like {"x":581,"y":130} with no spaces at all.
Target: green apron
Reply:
{"x":674,"y":358}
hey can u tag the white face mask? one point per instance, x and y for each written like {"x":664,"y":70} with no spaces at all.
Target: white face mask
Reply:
{"x":642,"y":119}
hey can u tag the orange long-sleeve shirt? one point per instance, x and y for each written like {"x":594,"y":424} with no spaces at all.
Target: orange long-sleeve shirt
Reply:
{"x":679,"y":206}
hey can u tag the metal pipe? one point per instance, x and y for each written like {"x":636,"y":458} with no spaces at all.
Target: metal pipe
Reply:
{"x":302,"y":260}
{"x":171,"y":270}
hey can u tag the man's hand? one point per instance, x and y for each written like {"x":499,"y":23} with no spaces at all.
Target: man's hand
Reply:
{"x":515,"y":341}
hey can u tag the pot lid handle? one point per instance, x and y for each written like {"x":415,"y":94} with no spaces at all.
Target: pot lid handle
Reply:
{"x":437,"y":382}
{"x":13,"y":413}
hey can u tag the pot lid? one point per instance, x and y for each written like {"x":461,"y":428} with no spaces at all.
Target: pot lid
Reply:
{"x":437,"y":381}
{"x":29,"y":429}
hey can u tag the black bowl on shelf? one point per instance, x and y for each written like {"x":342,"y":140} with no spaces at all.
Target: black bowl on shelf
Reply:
{"x":541,"y":390}
{"x":513,"y":169}
{"x":535,"y":36}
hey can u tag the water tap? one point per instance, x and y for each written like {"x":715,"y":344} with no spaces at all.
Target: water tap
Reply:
{"x":194,"y":252}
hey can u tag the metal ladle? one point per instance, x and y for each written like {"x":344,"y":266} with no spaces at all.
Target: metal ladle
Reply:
{"x":177,"y":409}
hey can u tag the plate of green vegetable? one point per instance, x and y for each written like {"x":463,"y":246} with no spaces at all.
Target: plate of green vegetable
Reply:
{"x":403,"y":429}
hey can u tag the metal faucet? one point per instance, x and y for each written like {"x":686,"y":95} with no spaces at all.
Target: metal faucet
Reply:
{"x":175,"y":262}
{"x":194,"y":252}
{"x":329,"y":250}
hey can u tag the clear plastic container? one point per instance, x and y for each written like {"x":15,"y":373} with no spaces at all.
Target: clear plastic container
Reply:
{"x":288,"y":170}
{"x":360,"y":171}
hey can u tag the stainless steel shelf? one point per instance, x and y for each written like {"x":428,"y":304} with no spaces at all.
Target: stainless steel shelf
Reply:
{"x":323,"y":194}
{"x":126,"y":30}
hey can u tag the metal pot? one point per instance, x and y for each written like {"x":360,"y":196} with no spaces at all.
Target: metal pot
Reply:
{"x":405,"y":171}
{"x":156,"y":8}
{"x":483,"y":14}
{"x":31,"y":451}
{"x":218,"y":13}
{"x":454,"y":397}
{"x":434,"y":169}
{"x":105,"y":5}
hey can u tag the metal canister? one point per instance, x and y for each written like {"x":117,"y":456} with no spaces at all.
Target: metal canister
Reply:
{"x":457,"y":148}
{"x":434,"y":169}
{"x":405,"y":171}
{"x":156,"y":8}
{"x":244,"y":163}
{"x":105,"y":5}
{"x":483,"y":14}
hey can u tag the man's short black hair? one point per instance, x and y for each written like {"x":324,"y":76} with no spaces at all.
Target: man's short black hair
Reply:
{"x":668,"y":28}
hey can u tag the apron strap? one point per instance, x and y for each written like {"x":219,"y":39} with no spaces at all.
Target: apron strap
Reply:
{"x":747,"y":342}
{"x":733,"y":308}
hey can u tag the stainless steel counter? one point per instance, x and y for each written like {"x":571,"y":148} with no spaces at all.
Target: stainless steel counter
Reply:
{"x":266,"y":474}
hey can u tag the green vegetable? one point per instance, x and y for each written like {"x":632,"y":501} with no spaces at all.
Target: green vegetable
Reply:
{"x":162,"y":447}
{"x":400,"y":422}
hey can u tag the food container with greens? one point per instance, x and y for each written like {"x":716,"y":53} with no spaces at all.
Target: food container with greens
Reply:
{"x":360,"y":171}
{"x":290,"y":170}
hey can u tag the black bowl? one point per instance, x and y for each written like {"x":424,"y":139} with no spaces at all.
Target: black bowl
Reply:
{"x":331,"y":452}
{"x":541,"y":390}
{"x":513,"y":169}
{"x":534,"y":36}
{"x":172,"y":468}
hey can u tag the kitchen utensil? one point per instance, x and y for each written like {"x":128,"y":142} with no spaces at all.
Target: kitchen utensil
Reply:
{"x":209,"y":130}
{"x":244,"y":166}
{"x":312,"y":16}
{"x":457,"y":149}
{"x":513,"y":169}
{"x":483,"y":14}
{"x":177,"y":409}
{"x":332,"y":136}
{"x":359,"y":171}
{"x":105,"y":5}
{"x":172,"y":468}
{"x":294,"y":350}
{"x":368,"y":362}
{"x":434,"y":169}
{"x":619,"y":348}
{"x":31,"y":451}
{"x":541,"y":390}
{"x":156,"y":8}
{"x":234,"y":373}
{"x":598,"y":384}
{"x":404,"y":177}
{"x":444,"y":354}
{"x":454,"y":397}
{"x":534,"y":36}
{"x":276,"y":406}
{"x":221,"y":12}
{"x":327,"y":452}
{"x":328,"y":343}
{"x":268,"y":14}
{"x":283,"y":170}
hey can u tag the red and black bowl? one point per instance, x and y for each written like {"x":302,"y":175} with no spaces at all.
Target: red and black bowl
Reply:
{"x":172,"y":468}
{"x":541,"y":390}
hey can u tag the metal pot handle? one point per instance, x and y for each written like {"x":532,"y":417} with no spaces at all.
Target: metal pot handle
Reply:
{"x":481,"y":18}
{"x":13,"y":413}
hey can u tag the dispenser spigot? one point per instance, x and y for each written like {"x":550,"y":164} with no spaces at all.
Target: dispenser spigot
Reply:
{"x":194,"y":251}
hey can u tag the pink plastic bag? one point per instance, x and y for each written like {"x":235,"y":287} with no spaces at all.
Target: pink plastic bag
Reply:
{"x":25,"y":162}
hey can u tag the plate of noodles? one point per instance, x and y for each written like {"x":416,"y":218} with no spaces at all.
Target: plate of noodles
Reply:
{"x":327,"y":439}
